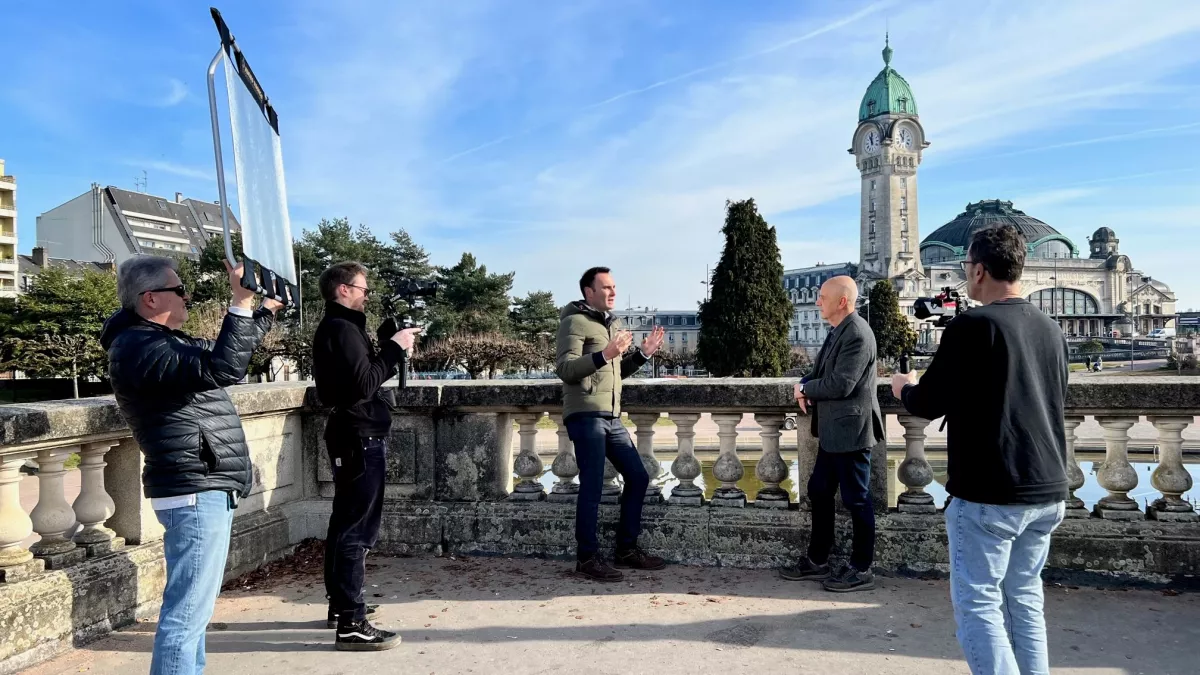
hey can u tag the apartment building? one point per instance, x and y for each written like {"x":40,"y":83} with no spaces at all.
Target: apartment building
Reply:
{"x":8,"y":234}
{"x":111,"y":225}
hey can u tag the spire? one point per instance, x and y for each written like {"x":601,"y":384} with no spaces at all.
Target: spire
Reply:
{"x":887,"y":52}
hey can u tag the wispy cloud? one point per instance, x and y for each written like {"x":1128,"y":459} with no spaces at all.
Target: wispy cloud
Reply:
{"x":638,"y":179}
{"x":1036,"y":200}
{"x":184,"y":171}
{"x":689,"y":75}
{"x":177,"y":91}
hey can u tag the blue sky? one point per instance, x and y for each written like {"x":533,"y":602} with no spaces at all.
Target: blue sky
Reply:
{"x":548,"y":137}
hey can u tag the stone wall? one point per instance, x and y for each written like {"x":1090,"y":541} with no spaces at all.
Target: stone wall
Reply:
{"x":451,"y":473}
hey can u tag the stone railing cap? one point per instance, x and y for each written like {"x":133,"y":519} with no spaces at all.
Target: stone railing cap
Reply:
{"x":48,"y":420}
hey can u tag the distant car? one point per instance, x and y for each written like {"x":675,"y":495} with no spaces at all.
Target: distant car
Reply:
{"x":789,"y":422}
{"x":1161,"y":333}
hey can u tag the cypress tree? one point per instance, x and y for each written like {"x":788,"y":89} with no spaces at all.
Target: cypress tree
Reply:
{"x":744,"y":325}
{"x":894,"y":334}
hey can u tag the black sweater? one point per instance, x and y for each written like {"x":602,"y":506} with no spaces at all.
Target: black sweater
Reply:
{"x":349,"y":373}
{"x":1000,"y":379}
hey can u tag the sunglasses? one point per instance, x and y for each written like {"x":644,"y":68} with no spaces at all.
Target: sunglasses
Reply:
{"x":179,"y":290}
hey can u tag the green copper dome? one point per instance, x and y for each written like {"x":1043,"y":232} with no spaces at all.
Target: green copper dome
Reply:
{"x":888,"y":93}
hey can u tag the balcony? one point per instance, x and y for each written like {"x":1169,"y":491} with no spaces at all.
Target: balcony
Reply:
{"x":485,"y":469}
{"x":8,"y":264}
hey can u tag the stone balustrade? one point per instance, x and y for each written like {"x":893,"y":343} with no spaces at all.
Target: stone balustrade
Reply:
{"x":455,"y":482}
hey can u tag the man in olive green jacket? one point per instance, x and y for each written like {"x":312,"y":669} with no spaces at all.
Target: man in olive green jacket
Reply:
{"x":591,"y":363}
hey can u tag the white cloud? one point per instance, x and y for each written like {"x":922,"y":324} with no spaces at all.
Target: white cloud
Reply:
{"x":639,"y":180}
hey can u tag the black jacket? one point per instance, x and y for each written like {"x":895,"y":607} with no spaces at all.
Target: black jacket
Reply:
{"x":845,"y":402}
{"x":349,"y":373}
{"x":1000,"y":378}
{"x":169,"y":387}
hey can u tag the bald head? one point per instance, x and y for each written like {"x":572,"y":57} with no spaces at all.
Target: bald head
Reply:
{"x":839,"y":295}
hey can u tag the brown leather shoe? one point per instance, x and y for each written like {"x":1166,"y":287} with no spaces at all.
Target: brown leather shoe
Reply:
{"x":636,"y":558}
{"x":596,"y":569}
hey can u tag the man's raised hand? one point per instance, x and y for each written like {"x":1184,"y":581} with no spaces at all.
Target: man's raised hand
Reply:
{"x":653,"y":342}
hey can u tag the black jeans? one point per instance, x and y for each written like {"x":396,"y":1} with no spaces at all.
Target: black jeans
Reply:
{"x":851,"y":471}
{"x":596,"y":438}
{"x":359,"y":470}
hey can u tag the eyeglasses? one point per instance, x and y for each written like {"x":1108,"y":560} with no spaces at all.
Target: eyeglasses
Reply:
{"x":179,"y":290}
{"x":964,"y":264}
{"x":366,"y":291}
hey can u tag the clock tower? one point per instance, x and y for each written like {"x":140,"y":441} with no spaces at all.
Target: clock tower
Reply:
{"x":887,"y":148}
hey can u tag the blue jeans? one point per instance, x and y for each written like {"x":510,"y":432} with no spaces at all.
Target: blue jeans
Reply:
{"x":996,"y":558}
{"x":195,"y":544}
{"x":596,"y":438}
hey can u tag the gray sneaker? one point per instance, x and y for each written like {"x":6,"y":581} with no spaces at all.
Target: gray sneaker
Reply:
{"x":848,"y":580}
{"x":807,"y":570}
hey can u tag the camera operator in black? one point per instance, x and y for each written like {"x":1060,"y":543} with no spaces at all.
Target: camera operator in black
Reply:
{"x":349,"y":373}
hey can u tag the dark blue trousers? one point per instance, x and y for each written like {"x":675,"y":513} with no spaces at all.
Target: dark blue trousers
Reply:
{"x":596,"y":438}
{"x":852,"y":472}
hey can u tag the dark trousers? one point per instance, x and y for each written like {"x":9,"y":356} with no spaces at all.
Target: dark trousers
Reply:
{"x":359,"y":469}
{"x":852,"y":472}
{"x":596,"y":438}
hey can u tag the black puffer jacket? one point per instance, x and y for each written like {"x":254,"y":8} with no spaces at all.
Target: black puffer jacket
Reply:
{"x":169,"y":388}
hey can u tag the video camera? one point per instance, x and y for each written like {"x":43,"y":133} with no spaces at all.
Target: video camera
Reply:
{"x":413,"y":293}
{"x":945,"y":306}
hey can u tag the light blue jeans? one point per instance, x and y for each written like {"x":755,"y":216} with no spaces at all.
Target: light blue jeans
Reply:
{"x":195,"y":544}
{"x":996,"y":558}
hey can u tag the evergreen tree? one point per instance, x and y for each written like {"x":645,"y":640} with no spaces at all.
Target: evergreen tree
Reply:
{"x":470,"y":301}
{"x":54,"y":329}
{"x":894,"y":335}
{"x":744,"y":325}
{"x":535,"y":317}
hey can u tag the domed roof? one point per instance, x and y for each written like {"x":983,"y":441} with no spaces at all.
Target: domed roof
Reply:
{"x":1104,"y":234}
{"x":888,"y":92}
{"x":984,"y":214}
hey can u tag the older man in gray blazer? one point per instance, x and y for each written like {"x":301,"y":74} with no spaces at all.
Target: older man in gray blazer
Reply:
{"x":846,"y":419}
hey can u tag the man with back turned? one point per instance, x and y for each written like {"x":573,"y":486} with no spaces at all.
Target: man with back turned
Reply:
{"x":1000,"y":379}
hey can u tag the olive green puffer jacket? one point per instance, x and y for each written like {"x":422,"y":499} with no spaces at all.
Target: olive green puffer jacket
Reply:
{"x":591,"y":386}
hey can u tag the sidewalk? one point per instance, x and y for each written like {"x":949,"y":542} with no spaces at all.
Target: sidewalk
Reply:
{"x":530,"y":616}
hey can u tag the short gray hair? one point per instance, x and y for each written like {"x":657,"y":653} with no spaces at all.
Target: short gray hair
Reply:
{"x":142,"y":273}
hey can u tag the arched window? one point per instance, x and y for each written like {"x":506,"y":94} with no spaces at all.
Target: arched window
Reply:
{"x":1054,"y":248}
{"x":935,"y":254}
{"x":1059,"y":301}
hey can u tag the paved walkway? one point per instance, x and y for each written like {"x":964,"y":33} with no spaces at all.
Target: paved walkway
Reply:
{"x":528,"y":616}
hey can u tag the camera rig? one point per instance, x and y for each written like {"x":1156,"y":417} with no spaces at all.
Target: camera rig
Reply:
{"x":413,"y":293}
{"x":944,"y":306}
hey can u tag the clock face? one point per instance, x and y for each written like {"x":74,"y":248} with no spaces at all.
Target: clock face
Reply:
{"x":871,"y":142}
{"x":906,"y":139}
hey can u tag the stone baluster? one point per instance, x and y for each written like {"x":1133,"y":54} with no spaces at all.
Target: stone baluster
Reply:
{"x":728,"y":468}
{"x":94,"y":506}
{"x":771,"y":469}
{"x":685,"y":467}
{"x":610,"y":493}
{"x":645,"y":445}
{"x":527,"y":465}
{"x":1117,"y":475}
{"x":564,"y":467}
{"x":914,"y":472}
{"x":806,"y":460}
{"x":16,"y":562}
{"x":53,"y":518}
{"x":1075,"y":478}
{"x":1170,"y":477}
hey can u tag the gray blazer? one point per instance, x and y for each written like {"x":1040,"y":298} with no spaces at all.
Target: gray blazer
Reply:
{"x":846,"y":416}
